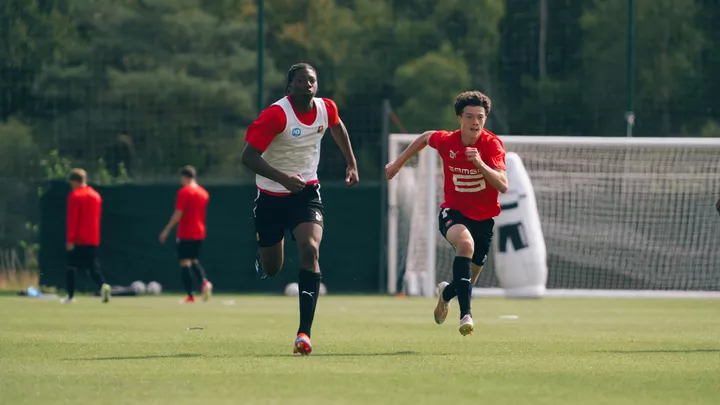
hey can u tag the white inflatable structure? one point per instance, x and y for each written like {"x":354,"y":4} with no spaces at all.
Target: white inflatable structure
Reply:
{"x":519,"y":245}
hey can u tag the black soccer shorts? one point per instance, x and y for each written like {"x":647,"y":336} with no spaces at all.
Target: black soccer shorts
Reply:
{"x":82,"y":257}
{"x":188,"y":249}
{"x":481,"y":231}
{"x":274,"y":215}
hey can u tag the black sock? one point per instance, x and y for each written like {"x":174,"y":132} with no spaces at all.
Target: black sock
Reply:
{"x":449,"y":292}
{"x":187,"y":279}
{"x":96,"y":276}
{"x":462,"y":280}
{"x":199,"y":272}
{"x":309,"y":286}
{"x":70,"y":281}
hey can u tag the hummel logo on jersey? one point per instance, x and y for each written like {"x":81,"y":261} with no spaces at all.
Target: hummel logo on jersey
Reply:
{"x":321,"y":129}
{"x":308,"y":293}
{"x":465,"y":279}
{"x":452,"y":155}
{"x":318,"y":216}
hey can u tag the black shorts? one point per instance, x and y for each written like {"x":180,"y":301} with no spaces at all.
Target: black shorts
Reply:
{"x":82,"y":257}
{"x":481,"y":231}
{"x":188,"y":249}
{"x":274,"y":215}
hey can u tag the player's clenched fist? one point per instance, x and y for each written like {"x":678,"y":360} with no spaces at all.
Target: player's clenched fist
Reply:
{"x":391,"y":169}
{"x":351,"y":176}
{"x":294,"y":183}
{"x":473,"y":155}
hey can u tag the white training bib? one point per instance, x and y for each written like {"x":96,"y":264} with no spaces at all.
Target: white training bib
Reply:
{"x":296,"y":150}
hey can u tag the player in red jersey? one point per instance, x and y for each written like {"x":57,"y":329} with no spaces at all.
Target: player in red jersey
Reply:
{"x":84,"y":207}
{"x":474,"y":170}
{"x":283,"y":149}
{"x":190,"y":208}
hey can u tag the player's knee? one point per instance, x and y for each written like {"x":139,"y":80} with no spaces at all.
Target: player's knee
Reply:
{"x":185,"y":263}
{"x":309,"y":251}
{"x":465,"y":247}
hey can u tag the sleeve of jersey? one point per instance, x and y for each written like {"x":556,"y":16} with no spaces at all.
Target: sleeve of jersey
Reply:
{"x":180,"y":201}
{"x":270,"y":123}
{"x":434,"y":140}
{"x":497,"y":155}
{"x":332,"y":112}
{"x":73,"y":212}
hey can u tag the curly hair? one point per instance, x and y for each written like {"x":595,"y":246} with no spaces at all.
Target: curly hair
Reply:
{"x":472,"y":98}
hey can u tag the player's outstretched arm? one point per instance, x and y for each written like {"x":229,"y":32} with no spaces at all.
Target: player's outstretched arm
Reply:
{"x":253,"y":160}
{"x":393,"y":168}
{"x":342,"y":139}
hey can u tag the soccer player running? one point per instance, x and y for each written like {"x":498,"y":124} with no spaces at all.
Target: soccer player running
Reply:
{"x":190,"y":208}
{"x":283,"y":149}
{"x":474,"y":170}
{"x":84,"y":207}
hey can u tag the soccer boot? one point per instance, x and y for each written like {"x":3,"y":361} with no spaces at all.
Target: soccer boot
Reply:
{"x":67,"y":300}
{"x":259,"y":269}
{"x":206,"y":290}
{"x":466,"y":325}
{"x":302,"y":344}
{"x":187,"y":300}
{"x":105,"y":292}
{"x":443,"y":307}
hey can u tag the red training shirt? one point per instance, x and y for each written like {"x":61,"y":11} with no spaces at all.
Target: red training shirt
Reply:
{"x":466,"y":189}
{"x":84,"y":207}
{"x":272,"y":122}
{"x":192,"y":200}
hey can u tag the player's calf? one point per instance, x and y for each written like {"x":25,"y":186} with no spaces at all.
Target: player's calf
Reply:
{"x":269,"y":260}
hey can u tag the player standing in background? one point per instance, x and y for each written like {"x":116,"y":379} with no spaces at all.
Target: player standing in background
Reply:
{"x":84,"y":207}
{"x":717,"y":206}
{"x":474,"y":170}
{"x":283,"y":149}
{"x":190,"y":208}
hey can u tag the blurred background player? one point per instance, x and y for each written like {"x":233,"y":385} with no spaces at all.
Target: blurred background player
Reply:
{"x":283,"y":149}
{"x":190,"y":209}
{"x":474,"y":170}
{"x":84,"y":207}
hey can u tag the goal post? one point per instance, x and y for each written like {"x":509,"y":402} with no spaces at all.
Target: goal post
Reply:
{"x":408,"y":211}
{"x":620,"y":216}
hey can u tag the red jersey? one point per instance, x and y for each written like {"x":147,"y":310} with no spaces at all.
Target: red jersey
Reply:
{"x":466,"y":189}
{"x":272,"y":122}
{"x":83,"y":217}
{"x":192,"y":200}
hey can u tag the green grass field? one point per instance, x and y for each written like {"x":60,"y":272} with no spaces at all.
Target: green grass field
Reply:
{"x":368,"y":350}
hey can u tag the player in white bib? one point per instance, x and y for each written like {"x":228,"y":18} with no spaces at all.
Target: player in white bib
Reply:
{"x":283,"y":149}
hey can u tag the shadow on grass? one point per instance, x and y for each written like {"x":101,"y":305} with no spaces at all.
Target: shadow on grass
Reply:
{"x":148,"y":357}
{"x":388,"y":354}
{"x":661,"y":351}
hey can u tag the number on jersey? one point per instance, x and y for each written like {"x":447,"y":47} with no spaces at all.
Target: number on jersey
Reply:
{"x":468,"y":183}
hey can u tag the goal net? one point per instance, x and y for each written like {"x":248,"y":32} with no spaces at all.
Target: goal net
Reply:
{"x":619,"y":214}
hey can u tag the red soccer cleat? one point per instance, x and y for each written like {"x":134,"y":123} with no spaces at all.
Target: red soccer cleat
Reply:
{"x":188,"y":300}
{"x":302,"y":345}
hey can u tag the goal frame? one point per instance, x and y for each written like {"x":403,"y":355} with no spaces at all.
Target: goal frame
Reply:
{"x":428,"y":285}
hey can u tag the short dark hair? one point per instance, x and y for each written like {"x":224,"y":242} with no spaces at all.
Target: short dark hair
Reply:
{"x":474,"y":99}
{"x":78,"y":175}
{"x":188,"y":171}
{"x":294,"y":69}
